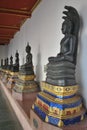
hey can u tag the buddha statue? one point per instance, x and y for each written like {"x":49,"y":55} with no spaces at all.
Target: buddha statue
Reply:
{"x":15,"y":67}
{"x":1,"y":63}
{"x":61,"y":69}
{"x":11,"y":63}
{"x":5,"y":63}
{"x":68,"y":43}
{"x":11,"y":60}
{"x":27,"y":68}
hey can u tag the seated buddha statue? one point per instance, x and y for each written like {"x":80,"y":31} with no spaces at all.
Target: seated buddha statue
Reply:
{"x":15,"y":67}
{"x":1,"y":63}
{"x":28,"y":66}
{"x":11,"y":63}
{"x":68,"y":43}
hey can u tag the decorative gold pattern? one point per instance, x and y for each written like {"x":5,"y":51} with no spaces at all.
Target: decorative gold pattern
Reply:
{"x":60,"y":123}
{"x":24,"y":77}
{"x":46,"y":119}
{"x":59,"y":90}
{"x":59,"y":101}
{"x":60,"y":108}
{"x":30,"y":86}
{"x":81,"y":112}
{"x":14,"y":73}
{"x":55,"y":110}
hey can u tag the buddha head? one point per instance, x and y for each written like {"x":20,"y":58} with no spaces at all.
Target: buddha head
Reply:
{"x":67,"y":27}
{"x":28,"y":48}
{"x":17,"y":54}
{"x":11,"y":60}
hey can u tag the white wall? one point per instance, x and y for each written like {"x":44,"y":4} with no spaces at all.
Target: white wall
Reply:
{"x":43,"y":32}
{"x":3,"y":52}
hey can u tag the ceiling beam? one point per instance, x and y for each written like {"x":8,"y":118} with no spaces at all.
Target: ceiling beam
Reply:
{"x":15,"y":12}
{"x":10,"y":27}
{"x":6,"y":43}
{"x":35,"y":5}
{"x":4,"y":40}
{"x":6,"y":36}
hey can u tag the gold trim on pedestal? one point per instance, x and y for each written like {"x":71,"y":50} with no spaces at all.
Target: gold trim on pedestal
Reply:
{"x":61,"y":116}
{"x":46,"y":119}
{"x":24,"y":77}
{"x":14,"y":73}
{"x":59,"y":90}
{"x":58,"y":100}
{"x":22,"y":87}
{"x":54,"y":110}
{"x":60,"y":123}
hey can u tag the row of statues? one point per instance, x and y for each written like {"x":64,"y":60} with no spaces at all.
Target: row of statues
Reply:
{"x":58,"y":103}
{"x":15,"y":67}
{"x":11,"y":66}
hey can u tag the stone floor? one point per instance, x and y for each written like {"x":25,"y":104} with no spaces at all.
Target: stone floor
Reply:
{"x":8,"y":119}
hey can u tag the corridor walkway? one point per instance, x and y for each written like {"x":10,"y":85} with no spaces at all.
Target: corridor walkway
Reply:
{"x":8,"y":119}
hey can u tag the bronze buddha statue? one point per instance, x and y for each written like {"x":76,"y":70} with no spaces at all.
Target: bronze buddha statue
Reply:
{"x":27,"y":68}
{"x":15,"y":67}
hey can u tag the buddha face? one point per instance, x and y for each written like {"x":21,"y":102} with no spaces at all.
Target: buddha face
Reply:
{"x":66,"y":27}
{"x":28,"y":48}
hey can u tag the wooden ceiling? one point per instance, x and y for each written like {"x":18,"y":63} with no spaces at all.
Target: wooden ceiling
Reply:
{"x":13,"y":13}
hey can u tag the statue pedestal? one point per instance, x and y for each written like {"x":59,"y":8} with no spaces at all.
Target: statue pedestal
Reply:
{"x":38,"y":124}
{"x":59,"y":106}
{"x":25,"y":87}
{"x":24,"y":96}
{"x":1,"y":74}
{"x":5,"y":76}
{"x":10,"y":83}
{"x":12,"y":79}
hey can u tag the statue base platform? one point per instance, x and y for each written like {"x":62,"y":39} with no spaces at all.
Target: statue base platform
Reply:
{"x":58,"y":105}
{"x":2,"y":74}
{"x":11,"y":83}
{"x":5,"y":78}
{"x":25,"y":85}
{"x":11,"y":80}
{"x":24,"y":96}
{"x":39,"y":124}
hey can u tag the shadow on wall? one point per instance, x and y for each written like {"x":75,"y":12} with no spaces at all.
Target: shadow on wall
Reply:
{"x":38,"y":66}
{"x":82,"y":56}
{"x":78,"y":65}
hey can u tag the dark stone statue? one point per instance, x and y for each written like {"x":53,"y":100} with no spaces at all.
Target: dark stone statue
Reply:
{"x":29,"y":55}
{"x":27,"y":68}
{"x":61,"y":69}
{"x":11,"y":60}
{"x":7,"y":61}
{"x":5,"y":66}
{"x":1,"y":63}
{"x":11,"y":63}
{"x":15,"y":67}
{"x":68,"y":45}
